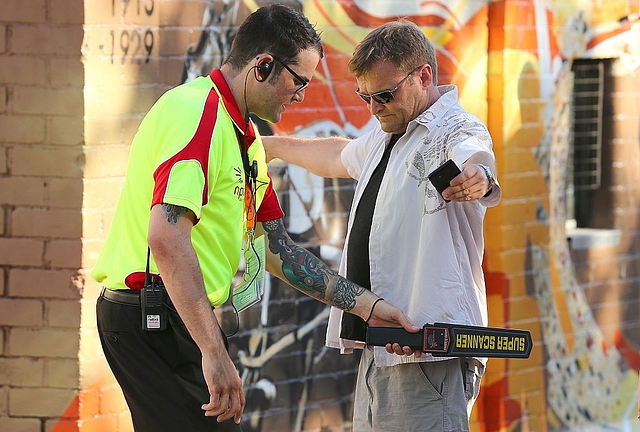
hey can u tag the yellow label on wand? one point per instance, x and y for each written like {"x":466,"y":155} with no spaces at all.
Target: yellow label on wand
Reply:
{"x":251,"y":290}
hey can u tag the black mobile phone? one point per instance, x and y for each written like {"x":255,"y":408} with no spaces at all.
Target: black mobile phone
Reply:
{"x":442,"y":176}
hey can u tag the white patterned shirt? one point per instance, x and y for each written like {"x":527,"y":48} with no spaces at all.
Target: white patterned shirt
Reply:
{"x":425,"y":255}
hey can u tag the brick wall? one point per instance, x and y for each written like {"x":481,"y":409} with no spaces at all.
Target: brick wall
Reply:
{"x":41,"y":170}
{"x":610,"y":274}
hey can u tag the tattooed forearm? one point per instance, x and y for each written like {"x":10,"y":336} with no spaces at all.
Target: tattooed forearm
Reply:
{"x":301,"y":268}
{"x":173,"y":212}
{"x":346,"y":293}
{"x":309,"y":274}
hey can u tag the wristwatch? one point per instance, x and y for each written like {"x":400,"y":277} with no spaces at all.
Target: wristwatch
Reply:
{"x":490,"y":178}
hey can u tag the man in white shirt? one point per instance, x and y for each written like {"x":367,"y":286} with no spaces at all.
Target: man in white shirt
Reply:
{"x":409,"y":244}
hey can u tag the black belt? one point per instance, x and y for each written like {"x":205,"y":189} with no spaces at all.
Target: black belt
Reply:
{"x":129,"y":297}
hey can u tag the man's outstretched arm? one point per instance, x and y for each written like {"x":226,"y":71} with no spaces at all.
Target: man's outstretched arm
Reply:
{"x":305,"y":272}
{"x":321,"y":156}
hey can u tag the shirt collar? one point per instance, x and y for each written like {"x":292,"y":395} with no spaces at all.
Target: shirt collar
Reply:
{"x":433,"y":114}
{"x":231,"y":106}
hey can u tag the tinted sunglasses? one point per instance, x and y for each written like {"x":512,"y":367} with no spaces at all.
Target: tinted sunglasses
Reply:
{"x":385,"y":96}
{"x":300,"y":82}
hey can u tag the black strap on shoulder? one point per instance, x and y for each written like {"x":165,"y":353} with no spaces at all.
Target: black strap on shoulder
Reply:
{"x":147,"y":273}
{"x":250,"y":170}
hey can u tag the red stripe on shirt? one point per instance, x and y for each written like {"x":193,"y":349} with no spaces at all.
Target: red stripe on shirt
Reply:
{"x":197,"y":149}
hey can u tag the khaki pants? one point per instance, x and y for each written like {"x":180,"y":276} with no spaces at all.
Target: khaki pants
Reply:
{"x":427,"y":396}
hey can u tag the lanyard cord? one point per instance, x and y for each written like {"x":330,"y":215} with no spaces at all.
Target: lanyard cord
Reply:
{"x":250,"y":170}
{"x":251,"y":174}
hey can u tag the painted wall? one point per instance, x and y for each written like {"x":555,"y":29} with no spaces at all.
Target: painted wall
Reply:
{"x":76,"y":86}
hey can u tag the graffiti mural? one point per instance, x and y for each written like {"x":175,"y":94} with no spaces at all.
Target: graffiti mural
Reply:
{"x":586,"y":381}
{"x":512,"y":62}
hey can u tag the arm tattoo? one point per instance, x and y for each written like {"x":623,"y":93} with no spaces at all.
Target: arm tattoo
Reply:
{"x":173,"y":212}
{"x":345,"y":294}
{"x":309,"y":274}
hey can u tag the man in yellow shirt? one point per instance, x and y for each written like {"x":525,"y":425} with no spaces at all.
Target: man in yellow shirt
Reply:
{"x":196,"y":185}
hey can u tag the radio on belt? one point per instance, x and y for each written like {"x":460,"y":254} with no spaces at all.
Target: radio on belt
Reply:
{"x":454,"y":340}
{"x":153,"y":305}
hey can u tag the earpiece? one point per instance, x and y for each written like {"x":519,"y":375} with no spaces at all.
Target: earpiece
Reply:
{"x":264,"y":69}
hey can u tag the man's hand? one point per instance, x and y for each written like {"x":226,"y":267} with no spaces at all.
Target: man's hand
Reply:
{"x":472,"y":183}
{"x":386,"y":315}
{"x":397,"y":349}
{"x":226,"y":397}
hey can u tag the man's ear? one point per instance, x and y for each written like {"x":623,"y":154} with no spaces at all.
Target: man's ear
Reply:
{"x":426,"y":75}
{"x":263,"y":70}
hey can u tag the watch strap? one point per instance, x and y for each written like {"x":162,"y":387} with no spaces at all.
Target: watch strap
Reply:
{"x":490,"y":177}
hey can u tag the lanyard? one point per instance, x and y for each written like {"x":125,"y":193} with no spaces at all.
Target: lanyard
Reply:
{"x":250,"y":204}
{"x":250,"y":292}
{"x":250,"y":175}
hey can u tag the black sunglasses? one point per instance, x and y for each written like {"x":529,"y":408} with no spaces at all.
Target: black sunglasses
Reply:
{"x":302,"y":83}
{"x":385,"y":96}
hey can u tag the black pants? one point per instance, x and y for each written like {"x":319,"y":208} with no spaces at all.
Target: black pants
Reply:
{"x":160,"y":372}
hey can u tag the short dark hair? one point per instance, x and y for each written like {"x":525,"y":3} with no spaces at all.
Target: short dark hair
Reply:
{"x":401,"y":42}
{"x":274,"y":29}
